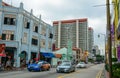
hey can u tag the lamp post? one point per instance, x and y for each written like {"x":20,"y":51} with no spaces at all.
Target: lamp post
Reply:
{"x":69,"y":44}
{"x":104,"y":42}
{"x":109,"y":37}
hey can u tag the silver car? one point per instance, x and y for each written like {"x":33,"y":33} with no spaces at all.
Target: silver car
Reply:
{"x":65,"y":67}
{"x":81,"y":65}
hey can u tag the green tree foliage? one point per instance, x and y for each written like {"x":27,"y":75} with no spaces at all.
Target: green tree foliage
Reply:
{"x":99,"y":58}
{"x":116,"y":70}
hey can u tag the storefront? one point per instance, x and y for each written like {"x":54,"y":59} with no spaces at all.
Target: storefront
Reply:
{"x":47,"y":56}
{"x":56,"y":60}
{"x":2,"y":54}
{"x":10,"y":53}
{"x":23,"y":57}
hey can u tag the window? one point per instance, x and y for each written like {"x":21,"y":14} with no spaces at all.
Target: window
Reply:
{"x":10,"y":20}
{"x":7,"y":35}
{"x":35,"y":27}
{"x":42,"y":43}
{"x":49,"y":45}
{"x":43,"y":30}
{"x":34,"y":40}
{"x":24,"y":38}
{"x":26,"y":23}
{"x":12,"y":37}
{"x":51,"y":35}
{"x":3,"y":36}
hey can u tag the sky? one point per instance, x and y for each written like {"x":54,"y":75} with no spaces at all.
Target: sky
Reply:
{"x":52,"y":10}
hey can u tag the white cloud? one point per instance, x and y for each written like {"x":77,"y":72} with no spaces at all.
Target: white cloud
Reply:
{"x":98,"y":24}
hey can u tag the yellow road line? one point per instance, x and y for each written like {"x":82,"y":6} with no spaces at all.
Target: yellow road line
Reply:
{"x":99,"y":74}
{"x":70,"y":74}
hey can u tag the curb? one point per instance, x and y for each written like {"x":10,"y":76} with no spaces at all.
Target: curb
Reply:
{"x":17,"y":69}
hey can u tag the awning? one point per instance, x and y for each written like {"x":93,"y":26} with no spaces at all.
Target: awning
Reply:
{"x":3,"y":55}
{"x":48,"y":55}
{"x":58,"y":55}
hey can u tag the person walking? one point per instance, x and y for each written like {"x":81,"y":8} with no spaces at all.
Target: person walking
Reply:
{"x":8,"y":65}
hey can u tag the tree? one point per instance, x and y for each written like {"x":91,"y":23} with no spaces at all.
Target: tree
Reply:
{"x":99,"y":58}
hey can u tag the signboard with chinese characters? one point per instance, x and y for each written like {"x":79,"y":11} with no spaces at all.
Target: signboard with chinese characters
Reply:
{"x":2,"y":47}
{"x":2,"y":50}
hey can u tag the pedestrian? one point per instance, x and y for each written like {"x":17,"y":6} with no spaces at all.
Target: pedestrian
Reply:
{"x":12,"y":62}
{"x":8,"y":65}
{"x":31,"y":61}
{"x":23,"y":63}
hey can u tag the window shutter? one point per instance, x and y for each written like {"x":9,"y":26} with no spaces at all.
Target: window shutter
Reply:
{"x":12,"y":37}
{"x":28,"y":25}
{"x":5,"y":20}
{"x":3,"y":36}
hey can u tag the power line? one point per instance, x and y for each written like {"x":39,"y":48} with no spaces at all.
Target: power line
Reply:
{"x":101,"y":5}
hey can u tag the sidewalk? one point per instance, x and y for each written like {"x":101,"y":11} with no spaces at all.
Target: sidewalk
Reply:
{"x":104,"y":74}
{"x":14,"y":69}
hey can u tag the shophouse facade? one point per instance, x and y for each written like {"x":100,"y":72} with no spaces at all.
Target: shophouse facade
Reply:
{"x":24,"y":35}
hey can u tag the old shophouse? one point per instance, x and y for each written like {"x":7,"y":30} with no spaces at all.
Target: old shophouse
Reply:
{"x":24,"y":35}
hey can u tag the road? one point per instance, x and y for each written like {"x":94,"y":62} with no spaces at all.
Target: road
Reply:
{"x":89,"y":72}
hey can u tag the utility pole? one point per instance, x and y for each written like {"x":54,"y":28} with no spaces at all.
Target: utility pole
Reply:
{"x":109,"y":38}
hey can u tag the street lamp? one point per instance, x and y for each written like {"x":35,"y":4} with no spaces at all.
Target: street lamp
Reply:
{"x":104,"y":42}
{"x":69,"y":44}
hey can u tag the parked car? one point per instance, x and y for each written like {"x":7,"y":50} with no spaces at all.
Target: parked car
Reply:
{"x":65,"y":67}
{"x":81,"y":65}
{"x":39,"y":66}
{"x":96,"y":62}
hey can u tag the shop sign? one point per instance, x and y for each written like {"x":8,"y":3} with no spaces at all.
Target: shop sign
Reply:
{"x":2,"y":47}
{"x":21,"y":55}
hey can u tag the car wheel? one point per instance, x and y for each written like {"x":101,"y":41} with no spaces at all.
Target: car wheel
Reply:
{"x":57,"y":71}
{"x":42,"y":69}
{"x":29,"y":70}
{"x":74,"y":70}
{"x":48,"y":69}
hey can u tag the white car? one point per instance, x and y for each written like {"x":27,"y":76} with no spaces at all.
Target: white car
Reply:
{"x":81,"y":65}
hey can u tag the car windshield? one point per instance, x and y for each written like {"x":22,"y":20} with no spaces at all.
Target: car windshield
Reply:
{"x":40,"y":62}
{"x":65,"y":64}
{"x":81,"y":63}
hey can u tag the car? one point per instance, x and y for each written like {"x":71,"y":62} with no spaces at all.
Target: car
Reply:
{"x":81,"y":65}
{"x":39,"y":66}
{"x":96,"y":62}
{"x":65,"y":67}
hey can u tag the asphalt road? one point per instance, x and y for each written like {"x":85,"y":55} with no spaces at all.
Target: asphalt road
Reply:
{"x":89,"y":72}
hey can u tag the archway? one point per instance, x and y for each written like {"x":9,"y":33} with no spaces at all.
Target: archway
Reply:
{"x":23,"y":58}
